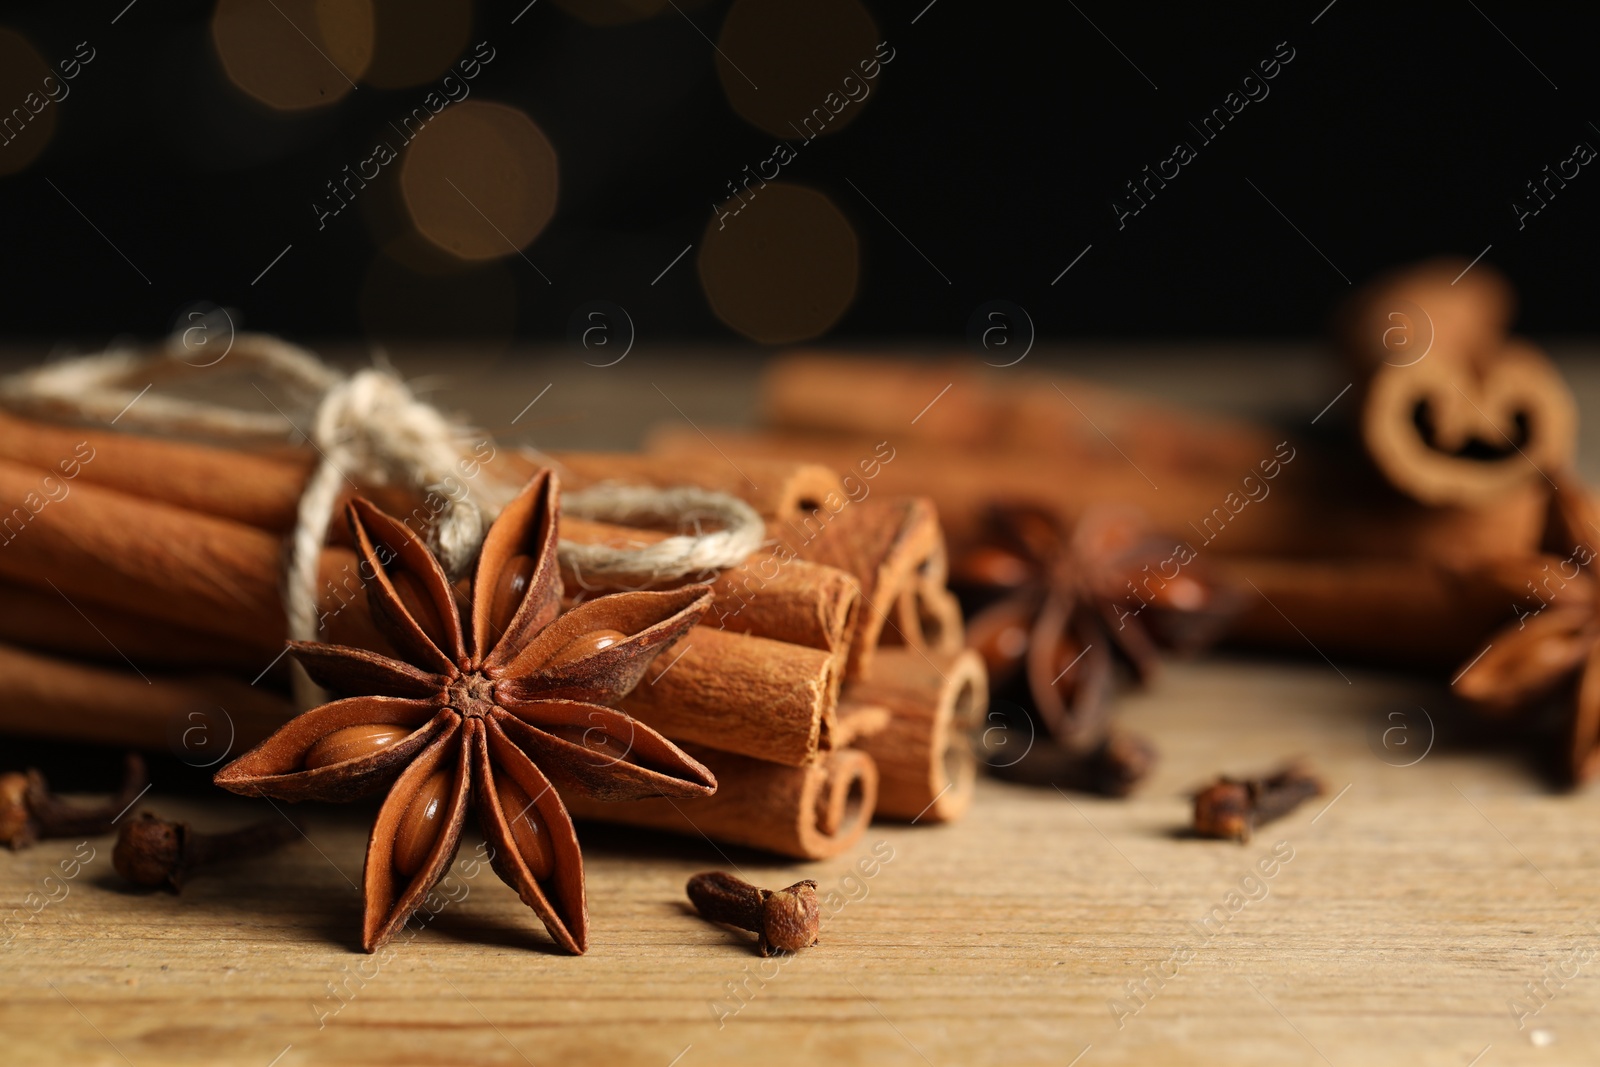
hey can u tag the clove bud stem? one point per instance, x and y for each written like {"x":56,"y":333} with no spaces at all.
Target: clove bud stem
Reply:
{"x":29,"y":811}
{"x":1234,"y":807}
{"x":156,"y":853}
{"x":786,"y":919}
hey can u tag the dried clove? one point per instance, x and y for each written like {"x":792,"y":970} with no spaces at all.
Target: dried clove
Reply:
{"x":1233,"y":807}
{"x":156,"y":853}
{"x":29,"y":811}
{"x":785,"y":919}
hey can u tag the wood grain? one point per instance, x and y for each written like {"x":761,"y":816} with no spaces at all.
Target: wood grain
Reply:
{"x":1413,"y":909}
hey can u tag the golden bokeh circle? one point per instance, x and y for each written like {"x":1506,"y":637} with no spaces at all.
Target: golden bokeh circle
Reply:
{"x":293,"y":55}
{"x":779,"y":62}
{"x":784,"y":268}
{"x":480,"y":180}
{"x":23,"y":88}
{"x":418,"y":41}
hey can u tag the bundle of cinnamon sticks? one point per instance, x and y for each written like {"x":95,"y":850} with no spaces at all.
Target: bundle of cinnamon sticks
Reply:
{"x":828,"y":684}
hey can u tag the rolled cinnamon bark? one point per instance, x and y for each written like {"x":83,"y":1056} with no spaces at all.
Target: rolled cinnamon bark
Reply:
{"x":1403,"y":612}
{"x":953,"y":403}
{"x":925,"y":761}
{"x":151,"y":559}
{"x":253,"y":489}
{"x":770,"y":595}
{"x":810,"y":812}
{"x":46,"y":622}
{"x":256,"y":488}
{"x":1287,"y":502}
{"x":1452,"y":411}
{"x":766,"y":699}
{"x":859,"y":720}
{"x":65,"y":700}
{"x":895,"y":550}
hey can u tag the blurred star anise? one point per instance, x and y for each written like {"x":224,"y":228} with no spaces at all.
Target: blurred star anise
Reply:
{"x":1051,"y":604}
{"x":1553,"y":651}
{"x":493,"y":701}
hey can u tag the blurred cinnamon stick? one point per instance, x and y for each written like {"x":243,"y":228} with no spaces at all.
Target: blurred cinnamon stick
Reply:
{"x":65,"y":700}
{"x":1402,"y":612}
{"x":1010,"y":410}
{"x":47,"y":622}
{"x":1451,"y":408}
{"x":1304,"y":507}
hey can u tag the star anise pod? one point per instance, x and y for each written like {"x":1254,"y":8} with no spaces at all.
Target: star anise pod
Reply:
{"x":493,"y":701}
{"x":1552,"y":650}
{"x":1059,"y":602}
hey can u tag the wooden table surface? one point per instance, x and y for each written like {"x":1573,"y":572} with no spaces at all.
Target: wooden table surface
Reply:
{"x":1409,"y":917}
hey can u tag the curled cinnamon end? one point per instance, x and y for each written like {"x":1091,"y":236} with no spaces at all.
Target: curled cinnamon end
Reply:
{"x":1453,"y":410}
{"x":786,"y":920}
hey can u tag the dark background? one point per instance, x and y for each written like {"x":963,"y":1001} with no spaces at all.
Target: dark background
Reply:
{"x":995,"y":141}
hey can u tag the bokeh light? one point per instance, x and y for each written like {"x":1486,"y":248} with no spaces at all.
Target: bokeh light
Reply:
{"x":294,"y":54}
{"x":779,"y":62}
{"x":30,"y":116}
{"x":480,"y":180}
{"x":784,"y":268}
{"x":417,"y":41}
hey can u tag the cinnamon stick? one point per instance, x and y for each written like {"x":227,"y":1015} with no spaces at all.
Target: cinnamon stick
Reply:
{"x":925,"y":761}
{"x":859,"y":720}
{"x":1451,"y":409}
{"x":1308,"y":507}
{"x":766,"y":699}
{"x":253,"y":489}
{"x":64,"y":700}
{"x":46,"y":622}
{"x":895,"y":550}
{"x":155,"y":560}
{"x":1401,"y":612}
{"x":1009,"y":410}
{"x":770,"y":595}
{"x":810,"y":812}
